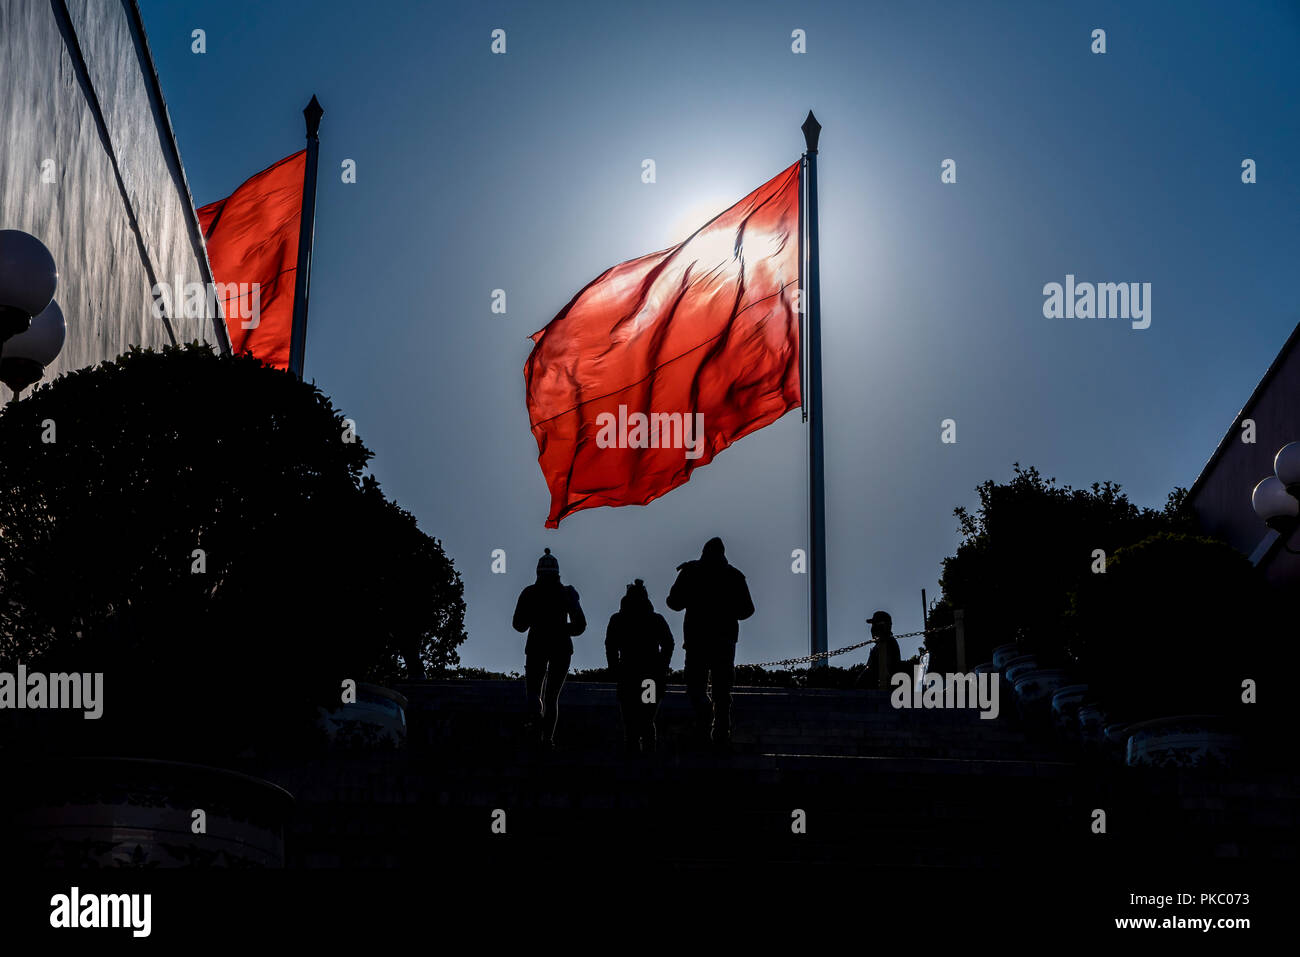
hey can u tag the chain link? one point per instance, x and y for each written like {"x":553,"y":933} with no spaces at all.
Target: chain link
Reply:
{"x":809,"y":659}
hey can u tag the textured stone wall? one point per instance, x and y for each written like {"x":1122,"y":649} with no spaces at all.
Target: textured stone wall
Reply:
{"x":79,"y":91}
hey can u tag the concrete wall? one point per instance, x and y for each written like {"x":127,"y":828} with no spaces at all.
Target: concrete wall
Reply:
{"x":77,"y":88}
{"x":1221,"y":496}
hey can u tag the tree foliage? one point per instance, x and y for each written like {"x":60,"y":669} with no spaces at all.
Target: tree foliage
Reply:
{"x":1025,"y":548}
{"x":1171,"y":627}
{"x":199,"y":529}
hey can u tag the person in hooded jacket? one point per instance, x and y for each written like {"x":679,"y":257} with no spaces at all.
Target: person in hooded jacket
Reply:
{"x":550,"y":612}
{"x":715,"y":597}
{"x":639,"y":649}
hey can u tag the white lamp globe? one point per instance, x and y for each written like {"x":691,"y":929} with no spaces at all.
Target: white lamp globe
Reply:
{"x":1287,"y":466}
{"x":42,"y":342}
{"x":28,"y":276}
{"x":1272,"y":503}
{"x":24,"y":357}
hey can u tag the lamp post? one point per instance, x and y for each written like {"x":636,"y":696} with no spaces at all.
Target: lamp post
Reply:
{"x":1276,"y":499}
{"x":28,"y":278}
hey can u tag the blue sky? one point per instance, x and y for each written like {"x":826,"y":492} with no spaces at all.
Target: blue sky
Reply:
{"x":522,"y":172}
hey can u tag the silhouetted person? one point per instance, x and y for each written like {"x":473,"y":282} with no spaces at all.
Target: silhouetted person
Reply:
{"x":638,"y":647}
{"x":715,"y":598}
{"x":549,"y":611}
{"x":885,"y":659}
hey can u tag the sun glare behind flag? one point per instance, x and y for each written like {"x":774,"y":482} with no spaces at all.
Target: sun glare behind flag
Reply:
{"x":253,"y":237}
{"x":661,"y":362}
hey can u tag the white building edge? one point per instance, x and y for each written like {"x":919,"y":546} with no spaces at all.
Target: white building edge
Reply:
{"x":90,"y":167}
{"x":1220,"y":496}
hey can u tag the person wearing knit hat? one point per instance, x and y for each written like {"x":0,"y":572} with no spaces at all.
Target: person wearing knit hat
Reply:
{"x":552,"y":615}
{"x":639,"y":649}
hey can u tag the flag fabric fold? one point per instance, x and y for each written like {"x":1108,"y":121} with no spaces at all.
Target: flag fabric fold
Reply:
{"x":252,"y":238}
{"x":663,"y":361}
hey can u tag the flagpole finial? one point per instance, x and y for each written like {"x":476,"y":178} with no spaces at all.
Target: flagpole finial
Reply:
{"x":313,"y":112}
{"x":811,"y":130}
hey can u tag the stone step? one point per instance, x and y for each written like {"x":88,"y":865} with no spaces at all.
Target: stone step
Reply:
{"x":822,"y":721}
{"x":911,"y":811}
{"x":879,"y":786}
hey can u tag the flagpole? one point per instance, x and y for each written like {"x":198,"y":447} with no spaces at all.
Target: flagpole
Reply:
{"x":306,"y":239}
{"x":816,"y":461}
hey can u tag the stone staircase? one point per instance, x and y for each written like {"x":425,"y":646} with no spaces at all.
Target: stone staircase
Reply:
{"x":477,"y":714}
{"x":878,"y":787}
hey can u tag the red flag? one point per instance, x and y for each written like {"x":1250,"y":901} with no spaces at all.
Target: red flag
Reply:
{"x":252,"y":237}
{"x":664,"y":361}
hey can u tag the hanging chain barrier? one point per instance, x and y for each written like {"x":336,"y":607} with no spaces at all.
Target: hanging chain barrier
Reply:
{"x":809,"y":659}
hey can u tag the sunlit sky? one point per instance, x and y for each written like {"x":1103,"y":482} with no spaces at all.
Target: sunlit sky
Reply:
{"x":523,"y":172}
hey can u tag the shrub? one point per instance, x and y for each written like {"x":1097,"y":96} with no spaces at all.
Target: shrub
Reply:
{"x":1027,"y":546}
{"x":199,"y":531}
{"x":1166,"y":630}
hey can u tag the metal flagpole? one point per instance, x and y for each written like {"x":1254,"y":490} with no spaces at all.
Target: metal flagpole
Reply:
{"x":816,"y":464}
{"x":306,"y":238}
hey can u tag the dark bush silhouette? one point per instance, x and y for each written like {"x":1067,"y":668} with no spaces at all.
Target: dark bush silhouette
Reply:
{"x":1024,"y":550}
{"x":1170,"y":627}
{"x":199,"y":530}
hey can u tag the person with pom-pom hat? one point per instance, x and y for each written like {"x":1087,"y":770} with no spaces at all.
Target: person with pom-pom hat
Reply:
{"x":550,"y":612}
{"x":639,"y":648}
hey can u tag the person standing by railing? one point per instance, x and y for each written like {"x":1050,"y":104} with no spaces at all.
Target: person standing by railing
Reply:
{"x":885,"y":659}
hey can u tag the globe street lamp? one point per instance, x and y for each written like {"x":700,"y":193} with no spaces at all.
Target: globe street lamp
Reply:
{"x":1286,"y":465}
{"x":24,"y":357}
{"x":28,"y":278}
{"x":1276,"y":499}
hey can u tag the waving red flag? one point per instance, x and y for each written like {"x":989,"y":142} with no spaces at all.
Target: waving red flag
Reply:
{"x":664,"y":361}
{"x":252,"y":238}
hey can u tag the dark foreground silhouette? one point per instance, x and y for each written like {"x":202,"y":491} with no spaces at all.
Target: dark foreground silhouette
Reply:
{"x":551,"y":613}
{"x":715,"y":597}
{"x":885,"y":659}
{"x":639,"y":648}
